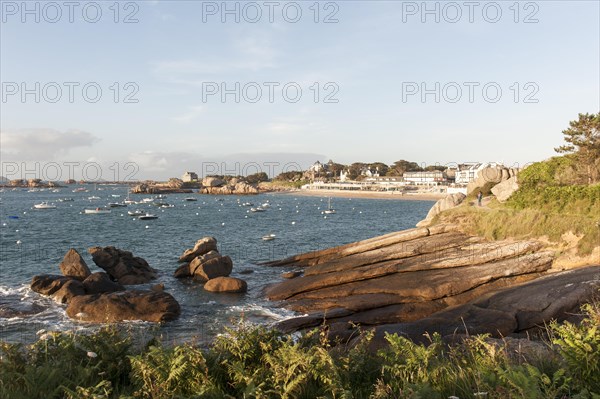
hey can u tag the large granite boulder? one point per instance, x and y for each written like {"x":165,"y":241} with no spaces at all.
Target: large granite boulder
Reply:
{"x":505,"y":189}
{"x":74,"y":266}
{"x":122,"y":266}
{"x":226,"y":284}
{"x":150,"y":306}
{"x":450,"y":201}
{"x":99,"y":283}
{"x":188,"y":269}
{"x":212,"y":182}
{"x":492,"y":175}
{"x":48,"y":284}
{"x":68,"y":291}
{"x":202,"y":246}
{"x":204,"y":270}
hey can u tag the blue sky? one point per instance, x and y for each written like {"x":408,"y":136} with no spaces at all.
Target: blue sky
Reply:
{"x":374,"y":61}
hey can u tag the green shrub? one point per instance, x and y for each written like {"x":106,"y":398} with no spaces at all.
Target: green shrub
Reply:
{"x":257,"y":362}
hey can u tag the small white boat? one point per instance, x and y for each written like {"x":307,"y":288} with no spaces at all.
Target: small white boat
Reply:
{"x":66,"y":200}
{"x":44,"y":205}
{"x":148,"y":216}
{"x":266,"y":205}
{"x":93,"y":198}
{"x":247,"y":204}
{"x":116,"y":205}
{"x":136,"y":213}
{"x":257,"y":209}
{"x":56,"y":190}
{"x":147,"y":200}
{"x":329,"y":209}
{"x":129,"y":202}
{"x":80,"y":190}
{"x":96,"y":211}
{"x":116,"y":195}
{"x":190,"y":199}
{"x":167,"y":206}
{"x":269,"y":237}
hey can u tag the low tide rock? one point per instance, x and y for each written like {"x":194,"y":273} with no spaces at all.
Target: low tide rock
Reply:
{"x":220,"y":266}
{"x":150,"y":306}
{"x":48,"y":284}
{"x":226,"y":284}
{"x":68,"y":291}
{"x":74,"y":266}
{"x":122,"y":266}
{"x":99,"y":283}
{"x":291,"y":274}
{"x":202,"y":246}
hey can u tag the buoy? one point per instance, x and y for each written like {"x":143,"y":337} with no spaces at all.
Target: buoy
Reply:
{"x":18,"y":242}
{"x":147,"y":226}
{"x":223,"y":224}
{"x":293,"y":222}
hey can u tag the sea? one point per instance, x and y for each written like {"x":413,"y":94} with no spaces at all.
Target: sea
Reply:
{"x":34,"y":241}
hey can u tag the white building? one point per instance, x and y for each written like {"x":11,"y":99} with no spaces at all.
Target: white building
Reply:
{"x":189,"y":177}
{"x":425,"y":177}
{"x":316,"y":167}
{"x":343,"y":176}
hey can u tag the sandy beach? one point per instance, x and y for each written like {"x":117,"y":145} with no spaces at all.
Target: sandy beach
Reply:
{"x":389,"y":195}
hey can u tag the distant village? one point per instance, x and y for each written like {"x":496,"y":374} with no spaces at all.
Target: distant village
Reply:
{"x":401,"y":176}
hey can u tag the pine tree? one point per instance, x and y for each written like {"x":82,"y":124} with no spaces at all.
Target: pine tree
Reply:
{"x":583,"y":138}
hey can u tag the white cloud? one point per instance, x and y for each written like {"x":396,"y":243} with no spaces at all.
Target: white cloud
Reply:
{"x":42,"y":144}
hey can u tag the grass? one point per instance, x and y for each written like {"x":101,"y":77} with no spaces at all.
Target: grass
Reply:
{"x":547,"y":203}
{"x":257,"y":362}
{"x":501,"y":222}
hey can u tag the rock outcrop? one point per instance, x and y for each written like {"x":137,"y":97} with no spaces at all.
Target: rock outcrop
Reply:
{"x":100,"y":283}
{"x":100,"y":299}
{"x":492,"y":175}
{"x":505,"y":189}
{"x":517,"y":309}
{"x":122,"y":266}
{"x":442,"y":205}
{"x":204,"y":263}
{"x":202,"y":246}
{"x":234,"y":187}
{"x":403,"y":276}
{"x":150,"y":306}
{"x":160,"y":188}
{"x":74,"y":266}
{"x":226,"y":284}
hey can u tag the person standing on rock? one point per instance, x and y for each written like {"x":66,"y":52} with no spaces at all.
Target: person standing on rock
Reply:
{"x":479,"y":198}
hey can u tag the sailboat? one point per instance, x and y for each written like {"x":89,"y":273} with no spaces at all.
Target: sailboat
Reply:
{"x":128,"y":200}
{"x":329,"y":209}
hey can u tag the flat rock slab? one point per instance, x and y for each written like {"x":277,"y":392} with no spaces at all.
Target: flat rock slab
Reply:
{"x":512,"y":310}
{"x":153,"y":306}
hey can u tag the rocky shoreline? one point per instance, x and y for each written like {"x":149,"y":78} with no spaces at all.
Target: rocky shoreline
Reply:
{"x":430,"y":279}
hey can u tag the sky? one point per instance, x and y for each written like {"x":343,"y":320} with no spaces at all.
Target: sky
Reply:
{"x":149,"y":89}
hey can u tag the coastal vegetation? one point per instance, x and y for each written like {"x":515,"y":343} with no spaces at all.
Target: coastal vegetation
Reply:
{"x":257,"y":362}
{"x":557,"y":198}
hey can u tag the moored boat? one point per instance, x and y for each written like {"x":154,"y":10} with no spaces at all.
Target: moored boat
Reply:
{"x":44,"y":205}
{"x":96,"y":211}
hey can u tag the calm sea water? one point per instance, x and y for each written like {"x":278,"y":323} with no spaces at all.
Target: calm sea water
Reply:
{"x":34,"y":242}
